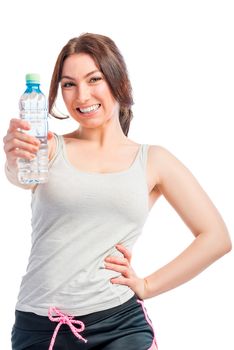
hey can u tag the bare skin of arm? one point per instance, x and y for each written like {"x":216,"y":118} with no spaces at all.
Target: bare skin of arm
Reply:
{"x":176,"y":183}
{"x":20,"y":145}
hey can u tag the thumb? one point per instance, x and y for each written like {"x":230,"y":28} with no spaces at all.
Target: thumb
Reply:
{"x":50,"y":135}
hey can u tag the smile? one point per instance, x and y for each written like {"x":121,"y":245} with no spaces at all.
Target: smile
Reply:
{"x":89,"y":109}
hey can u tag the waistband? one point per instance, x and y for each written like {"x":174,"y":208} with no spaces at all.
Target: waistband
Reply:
{"x":31,"y":321}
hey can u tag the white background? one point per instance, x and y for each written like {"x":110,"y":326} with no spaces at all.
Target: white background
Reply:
{"x":180,"y":58}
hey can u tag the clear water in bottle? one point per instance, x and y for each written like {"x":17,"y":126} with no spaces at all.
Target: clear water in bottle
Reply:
{"x":33,"y":109}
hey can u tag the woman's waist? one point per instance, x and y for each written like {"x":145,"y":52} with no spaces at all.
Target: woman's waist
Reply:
{"x":30,"y":320}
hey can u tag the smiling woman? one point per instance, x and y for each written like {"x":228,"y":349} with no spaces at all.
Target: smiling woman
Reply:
{"x":87,"y":218}
{"x":87,"y":93}
{"x":109,"y":65}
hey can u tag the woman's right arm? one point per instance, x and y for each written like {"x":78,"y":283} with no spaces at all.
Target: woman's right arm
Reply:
{"x":18,"y":144}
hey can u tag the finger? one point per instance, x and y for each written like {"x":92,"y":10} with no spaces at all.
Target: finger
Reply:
{"x":118,"y":268}
{"x":18,"y":124}
{"x":18,"y":144}
{"x":19,"y":153}
{"x":17,"y":135}
{"x":116,"y":260}
{"x":127,"y":254}
{"x":121,"y":280}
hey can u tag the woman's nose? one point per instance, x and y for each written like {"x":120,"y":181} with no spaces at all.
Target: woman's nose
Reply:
{"x":83,"y":94}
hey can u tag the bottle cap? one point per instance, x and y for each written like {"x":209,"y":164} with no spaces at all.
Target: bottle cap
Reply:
{"x":32,"y":78}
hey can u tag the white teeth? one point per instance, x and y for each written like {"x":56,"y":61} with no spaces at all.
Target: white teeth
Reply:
{"x":89,"y":109}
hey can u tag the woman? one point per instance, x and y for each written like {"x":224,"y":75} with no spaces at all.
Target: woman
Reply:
{"x":86,"y":219}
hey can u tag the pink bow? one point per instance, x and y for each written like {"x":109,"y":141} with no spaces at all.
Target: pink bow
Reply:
{"x":64,"y":319}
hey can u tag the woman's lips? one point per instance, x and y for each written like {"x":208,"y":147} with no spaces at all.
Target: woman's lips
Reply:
{"x":89,"y":112}
{"x":89,"y":109}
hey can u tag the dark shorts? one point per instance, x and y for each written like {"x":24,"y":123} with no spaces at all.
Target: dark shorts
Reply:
{"x":126,"y":326}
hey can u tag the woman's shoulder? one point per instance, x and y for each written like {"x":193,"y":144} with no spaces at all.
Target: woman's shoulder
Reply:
{"x":159,"y":152}
{"x":162,"y":161}
{"x":52,"y":144}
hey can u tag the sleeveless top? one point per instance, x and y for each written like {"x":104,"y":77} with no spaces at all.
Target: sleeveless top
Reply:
{"x":77,"y":219}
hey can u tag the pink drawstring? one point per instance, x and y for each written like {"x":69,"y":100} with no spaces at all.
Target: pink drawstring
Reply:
{"x":64,"y":319}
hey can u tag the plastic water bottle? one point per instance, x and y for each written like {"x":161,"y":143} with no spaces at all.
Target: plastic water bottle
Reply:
{"x":33,"y":109}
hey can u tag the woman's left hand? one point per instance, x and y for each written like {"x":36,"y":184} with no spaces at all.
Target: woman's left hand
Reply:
{"x":128,"y":276}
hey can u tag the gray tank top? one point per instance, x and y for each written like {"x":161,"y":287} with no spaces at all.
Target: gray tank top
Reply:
{"x":77,"y":219}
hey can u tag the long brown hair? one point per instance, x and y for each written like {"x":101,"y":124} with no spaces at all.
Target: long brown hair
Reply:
{"x":110,"y":62}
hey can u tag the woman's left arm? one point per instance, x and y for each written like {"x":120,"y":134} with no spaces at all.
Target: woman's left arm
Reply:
{"x":183,"y":192}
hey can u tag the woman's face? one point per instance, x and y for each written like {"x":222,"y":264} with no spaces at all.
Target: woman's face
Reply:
{"x":86,"y":93}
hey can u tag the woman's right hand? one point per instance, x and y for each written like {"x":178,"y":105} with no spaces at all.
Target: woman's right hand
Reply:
{"x":18,"y":144}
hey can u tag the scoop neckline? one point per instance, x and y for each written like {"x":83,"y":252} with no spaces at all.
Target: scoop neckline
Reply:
{"x":65,"y":156}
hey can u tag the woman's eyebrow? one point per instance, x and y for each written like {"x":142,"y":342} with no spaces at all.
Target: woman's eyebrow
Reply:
{"x":87,"y":75}
{"x":67,"y":77}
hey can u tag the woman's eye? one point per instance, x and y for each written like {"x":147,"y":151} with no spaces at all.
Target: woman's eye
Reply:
{"x":95,"y":79}
{"x":67,"y":84}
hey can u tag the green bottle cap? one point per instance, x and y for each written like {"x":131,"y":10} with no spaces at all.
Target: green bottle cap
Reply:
{"x":32,"y":78}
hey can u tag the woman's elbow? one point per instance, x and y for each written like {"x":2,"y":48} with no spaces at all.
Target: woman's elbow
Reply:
{"x":225,"y":244}
{"x":228,"y":246}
